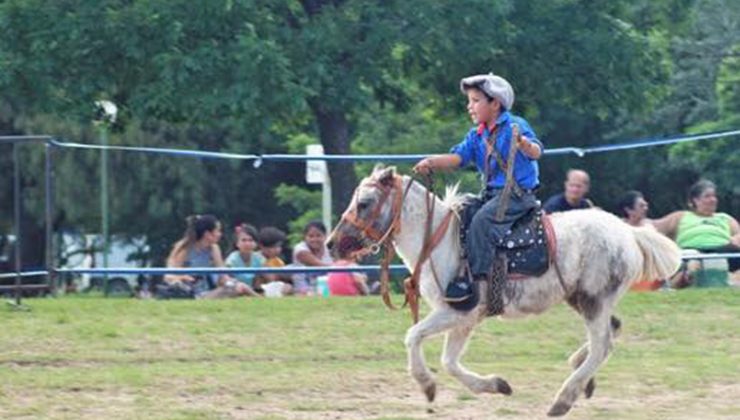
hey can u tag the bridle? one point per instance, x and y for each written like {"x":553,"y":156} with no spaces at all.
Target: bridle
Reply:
{"x":385,"y":239}
{"x":365,"y":225}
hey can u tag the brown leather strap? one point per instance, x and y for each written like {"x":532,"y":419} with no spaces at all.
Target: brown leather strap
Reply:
{"x":491,"y":150}
{"x":552,"y":246}
{"x":411,"y":291}
{"x":411,"y":284}
{"x":387,"y":241}
{"x":385,"y":289}
{"x":503,"y":202}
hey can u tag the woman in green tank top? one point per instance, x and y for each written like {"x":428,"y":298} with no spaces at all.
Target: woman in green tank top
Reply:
{"x":702,"y":227}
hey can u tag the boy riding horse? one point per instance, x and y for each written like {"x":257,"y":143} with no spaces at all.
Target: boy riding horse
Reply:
{"x":489,"y":146}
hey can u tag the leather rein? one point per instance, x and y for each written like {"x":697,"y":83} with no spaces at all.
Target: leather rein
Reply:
{"x":384,"y":240}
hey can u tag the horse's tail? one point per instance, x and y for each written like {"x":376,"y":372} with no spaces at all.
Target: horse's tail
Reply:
{"x":662,"y":257}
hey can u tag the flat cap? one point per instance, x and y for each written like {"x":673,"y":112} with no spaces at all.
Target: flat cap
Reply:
{"x":494,"y":86}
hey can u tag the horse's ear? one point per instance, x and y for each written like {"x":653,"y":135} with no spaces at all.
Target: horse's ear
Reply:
{"x":386,"y":176}
{"x":378,"y":167}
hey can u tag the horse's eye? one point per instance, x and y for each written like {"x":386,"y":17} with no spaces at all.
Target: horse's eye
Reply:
{"x":362,"y":205}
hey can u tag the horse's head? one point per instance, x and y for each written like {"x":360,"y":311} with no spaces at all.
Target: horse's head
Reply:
{"x":372,"y":215}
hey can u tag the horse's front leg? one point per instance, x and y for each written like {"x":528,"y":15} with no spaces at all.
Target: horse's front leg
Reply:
{"x":455,"y":343}
{"x":436,"y":322}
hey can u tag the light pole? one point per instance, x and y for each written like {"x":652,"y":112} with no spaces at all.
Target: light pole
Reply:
{"x":105,"y":115}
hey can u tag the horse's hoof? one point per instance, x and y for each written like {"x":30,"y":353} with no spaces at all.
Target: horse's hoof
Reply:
{"x":590,"y":386}
{"x":430,"y":391}
{"x":558,"y":409}
{"x":502,"y":387}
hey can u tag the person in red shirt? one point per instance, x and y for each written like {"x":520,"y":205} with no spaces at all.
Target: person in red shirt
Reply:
{"x":347,"y":283}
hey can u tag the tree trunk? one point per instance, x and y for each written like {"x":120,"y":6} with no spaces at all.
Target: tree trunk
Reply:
{"x":334,"y":135}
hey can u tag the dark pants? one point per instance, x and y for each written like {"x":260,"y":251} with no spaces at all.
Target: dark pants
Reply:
{"x":485,"y":231}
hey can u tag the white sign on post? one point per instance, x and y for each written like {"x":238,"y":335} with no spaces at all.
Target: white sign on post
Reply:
{"x":315,"y":169}
{"x":317,"y":173}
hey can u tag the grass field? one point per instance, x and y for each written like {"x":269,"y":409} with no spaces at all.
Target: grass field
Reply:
{"x":81,"y":357}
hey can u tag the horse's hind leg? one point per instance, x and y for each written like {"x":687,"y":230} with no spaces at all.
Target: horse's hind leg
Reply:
{"x":599,"y":345}
{"x":576,"y":359}
{"x":436,"y":322}
{"x":455,"y":342}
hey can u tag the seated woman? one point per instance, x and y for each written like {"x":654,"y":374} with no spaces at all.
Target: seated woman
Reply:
{"x":347,"y":283}
{"x":701,"y":227}
{"x":633,"y":209}
{"x":199,"y":248}
{"x":311,"y":252}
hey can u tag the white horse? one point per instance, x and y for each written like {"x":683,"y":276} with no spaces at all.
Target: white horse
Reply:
{"x":597,"y":254}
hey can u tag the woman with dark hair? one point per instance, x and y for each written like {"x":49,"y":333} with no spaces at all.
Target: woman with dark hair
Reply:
{"x":701,"y":227}
{"x":199,"y":248}
{"x":633,"y":209}
{"x":311,"y":252}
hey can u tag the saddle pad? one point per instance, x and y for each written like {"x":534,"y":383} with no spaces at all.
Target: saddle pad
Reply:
{"x":526,"y":246}
{"x":529,"y":246}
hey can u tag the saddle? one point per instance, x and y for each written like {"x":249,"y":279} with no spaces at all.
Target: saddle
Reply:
{"x":526,"y":250}
{"x":528,"y":246}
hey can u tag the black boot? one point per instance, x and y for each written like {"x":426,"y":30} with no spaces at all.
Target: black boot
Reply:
{"x":462,"y":294}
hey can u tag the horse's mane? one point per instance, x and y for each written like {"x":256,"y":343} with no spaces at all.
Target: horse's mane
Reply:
{"x":454,"y":199}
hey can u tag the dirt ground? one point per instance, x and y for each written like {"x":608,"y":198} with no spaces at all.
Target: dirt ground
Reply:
{"x":376,"y":398}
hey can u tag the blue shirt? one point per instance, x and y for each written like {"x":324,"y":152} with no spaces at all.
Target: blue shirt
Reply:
{"x":235,"y":260}
{"x":473,"y":148}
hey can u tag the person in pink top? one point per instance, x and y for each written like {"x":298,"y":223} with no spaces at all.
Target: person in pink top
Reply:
{"x":347,"y":283}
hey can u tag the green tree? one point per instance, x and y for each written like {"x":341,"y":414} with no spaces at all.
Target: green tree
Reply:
{"x":249,"y":76}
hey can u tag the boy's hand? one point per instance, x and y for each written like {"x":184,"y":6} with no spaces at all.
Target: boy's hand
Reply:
{"x":424,"y":167}
{"x":523,"y":144}
{"x":521,"y":141}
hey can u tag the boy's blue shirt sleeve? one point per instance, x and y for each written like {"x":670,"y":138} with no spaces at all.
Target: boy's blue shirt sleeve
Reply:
{"x":466,"y":148}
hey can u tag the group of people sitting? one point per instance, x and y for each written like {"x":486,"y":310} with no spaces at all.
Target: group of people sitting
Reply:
{"x":700,"y":228}
{"x":199,"y":248}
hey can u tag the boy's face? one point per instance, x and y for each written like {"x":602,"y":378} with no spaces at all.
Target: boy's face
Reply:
{"x":272,"y":251}
{"x":480,"y":109}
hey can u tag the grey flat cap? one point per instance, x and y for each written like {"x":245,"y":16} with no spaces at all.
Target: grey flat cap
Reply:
{"x":494,"y":86}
